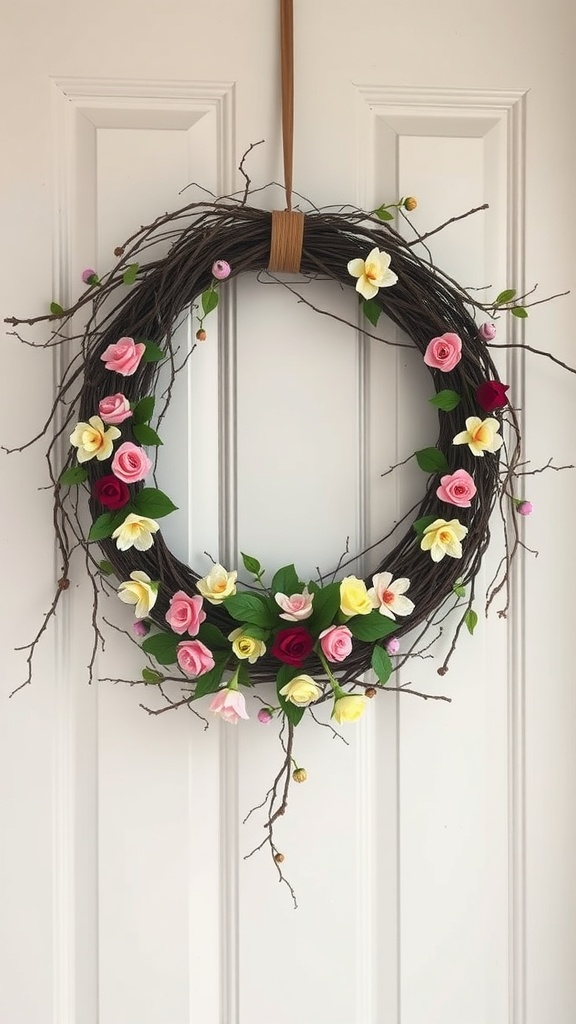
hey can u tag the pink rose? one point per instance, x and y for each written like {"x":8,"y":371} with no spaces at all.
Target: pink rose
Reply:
{"x":296,"y":607}
{"x":114,"y":409}
{"x":336,"y":643}
{"x":185,"y":613}
{"x":229,"y":704}
{"x":194,"y":658}
{"x":123,"y":357}
{"x":487,"y":332}
{"x":457,"y":489}
{"x":444,"y":353}
{"x":220,"y":270}
{"x":130,"y":463}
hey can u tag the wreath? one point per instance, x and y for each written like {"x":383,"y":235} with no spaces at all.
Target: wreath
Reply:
{"x":334,"y":639}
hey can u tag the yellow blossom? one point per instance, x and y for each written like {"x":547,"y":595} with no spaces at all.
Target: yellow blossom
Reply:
{"x":136,"y":531}
{"x":218,"y":584}
{"x":301,"y":691}
{"x":93,"y":439}
{"x":348,"y":708}
{"x":246,"y":646}
{"x":480,"y":435}
{"x":354,"y":599}
{"x":443,"y":538}
{"x":141,"y":591}
{"x":372,"y":273}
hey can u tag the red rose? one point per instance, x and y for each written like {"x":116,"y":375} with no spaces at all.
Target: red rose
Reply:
{"x":111,"y":492}
{"x":292,"y":646}
{"x":491,"y":395}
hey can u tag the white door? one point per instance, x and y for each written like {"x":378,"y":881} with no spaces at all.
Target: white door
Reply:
{"x":432,"y":856}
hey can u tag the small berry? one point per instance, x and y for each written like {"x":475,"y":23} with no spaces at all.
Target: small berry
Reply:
{"x":371,"y":691}
{"x":299,"y":775}
{"x":201,"y":335}
{"x":279,"y":857}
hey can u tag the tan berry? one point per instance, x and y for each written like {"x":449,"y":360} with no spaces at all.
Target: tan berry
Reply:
{"x":300,"y":775}
{"x":279,"y":857}
{"x":201,"y":335}
{"x":410,"y":203}
{"x":119,"y":250}
{"x":371,"y":691}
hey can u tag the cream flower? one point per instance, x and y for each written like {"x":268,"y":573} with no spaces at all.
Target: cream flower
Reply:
{"x":93,"y":439}
{"x":301,"y":691}
{"x":387,"y":595}
{"x":354,"y":599}
{"x":246,"y":647}
{"x":142,"y":592}
{"x":218,"y":584}
{"x":348,"y":708}
{"x":136,"y":531}
{"x":372,"y":273}
{"x":442,"y":538}
{"x":480,"y":435}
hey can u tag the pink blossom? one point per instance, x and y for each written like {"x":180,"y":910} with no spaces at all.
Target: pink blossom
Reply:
{"x":392,"y":645}
{"x":296,"y":607}
{"x":88,"y":275}
{"x":444,"y":353}
{"x":230,"y":705}
{"x":141,"y":628}
{"x":221,"y":270}
{"x":265,"y":716}
{"x":114,"y":408}
{"x":194,"y":658}
{"x":487,"y":332}
{"x":185,"y":613}
{"x":457,"y":488}
{"x":525,"y":508}
{"x":123,"y":357}
{"x":130,"y":463}
{"x":336,"y":642}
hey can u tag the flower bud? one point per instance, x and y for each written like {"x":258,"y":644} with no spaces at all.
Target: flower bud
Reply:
{"x":141,"y":628}
{"x":392,"y":645}
{"x":265,"y":715}
{"x":299,"y":775}
{"x":201,"y":335}
{"x":370,"y":691}
{"x":221,"y":270}
{"x":279,"y":857}
{"x":487,"y":332}
{"x":524,"y":508}
{"x":410,"y":203}
{"x":89,"y":276}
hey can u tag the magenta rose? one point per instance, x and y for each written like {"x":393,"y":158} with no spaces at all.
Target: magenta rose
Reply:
{"x":185,"y":613}
{"x":491,"y":395}
{"x":130,"y":463}
{"x":114,"y":409}
{"x":487,"y":332}
{"x":336,"y":643}
{"x":194,"y":658}
{"x":444,"y":353}
{"x":292,"y":646}
{"x":123,"y":357}
{"x":457,"y":489}
{"x":111,"y":492}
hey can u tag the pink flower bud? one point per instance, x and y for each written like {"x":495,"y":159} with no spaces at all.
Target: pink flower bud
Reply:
{"x":141,"y":628}
{"x":221,"y":270}
{"x":392,"y":645}
{"x":487,"y":332}
{"x":89,"y":276}
{"x":265,"y":716}
{"x":525,"y":508}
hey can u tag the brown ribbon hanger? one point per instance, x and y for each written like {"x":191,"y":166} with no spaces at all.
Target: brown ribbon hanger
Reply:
{"x":287,"y":225}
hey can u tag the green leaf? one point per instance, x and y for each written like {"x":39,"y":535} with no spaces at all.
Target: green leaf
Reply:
{"x":372,"y":311}
{"x":446,"y":400}
{"x":506,"y":296}
{"x":251,"y":564}
{"x":421,"y":524}
{"x":152,"y":503}
{"x":153,"y":353}
{"x":251,"y":608}
{"x":130,"y":274}
{"x":325,"y":606}
{"x":431,"y":460}
{"x":519,"y":311}
{"x":56,"y":309}
{"x":210,"y":681}
{"x":105,"y":524}
{"x":150,"y":675}
{"x":286,"y":581}
{"x":381,"y":663}
{"x":74,"y":475}
{"x":145,"y":434}
{"x":371,"y":627}
{"x":285,"y":675}
{"x":383,"y":214}
{"x":459,"y":589}
{"x":162,"y":646}
{"x":313,"y":587}
{"x":471,"y":620}
{"x":107,"y":568}
{"x":143,"y":410}
{"x":209,"y":300}
{"x":213,"y":637}
{"x":256,"y":632}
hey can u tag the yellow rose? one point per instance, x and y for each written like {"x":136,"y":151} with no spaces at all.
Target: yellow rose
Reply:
{"x":348,"y":708}
{"x":218,"y":584}
{"x":136,"y":531}
{"x":354,"y":598}
{"x":301,"y":691}
{"x":93,"y":439}
{"x":246,"y":646}
{"x":442,"y":538}
{"x":142,"y":592}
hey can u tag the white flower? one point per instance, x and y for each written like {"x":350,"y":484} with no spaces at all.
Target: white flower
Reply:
{"x":136,"y":531}
{"x":93,"y":439}
{"x":372,"y":273}
{"x":296,"y":607}
{"x":387,"y":595}
{"x":480,"y":435}
{"x":142,"y":592}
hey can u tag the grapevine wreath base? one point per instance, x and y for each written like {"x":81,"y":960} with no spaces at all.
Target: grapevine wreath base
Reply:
{"x":315,"y":640}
